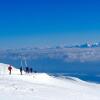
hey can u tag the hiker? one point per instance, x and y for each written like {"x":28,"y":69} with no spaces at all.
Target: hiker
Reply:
{"x":31,"y":70}
{"x":27,"y":70}
{"x":21,"y":69}
{"x":10,"y":69}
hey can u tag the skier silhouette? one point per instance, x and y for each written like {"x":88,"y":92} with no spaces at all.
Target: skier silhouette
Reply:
{"x":27,"y":70}
{"x":21,"y":69}
{"x":31,"y":70}
{"x":10,"y":69}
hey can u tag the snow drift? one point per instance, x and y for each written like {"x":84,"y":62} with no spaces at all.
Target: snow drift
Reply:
{"x":41,"y":86}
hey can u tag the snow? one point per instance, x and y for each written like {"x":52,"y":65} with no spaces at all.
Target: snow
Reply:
{"x":41,"y":86}
{"x":4,"y":69}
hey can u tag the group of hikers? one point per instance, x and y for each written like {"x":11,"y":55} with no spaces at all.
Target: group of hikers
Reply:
{"x":27,"y":70}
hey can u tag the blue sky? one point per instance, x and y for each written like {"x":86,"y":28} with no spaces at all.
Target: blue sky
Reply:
{"x":27,"y":23}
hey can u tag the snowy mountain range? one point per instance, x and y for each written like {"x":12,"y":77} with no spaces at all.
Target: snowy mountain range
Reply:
{"x":87,"y":45}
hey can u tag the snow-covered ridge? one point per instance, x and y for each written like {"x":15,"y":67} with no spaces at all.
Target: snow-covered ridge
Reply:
{"x":4,"y":69}
{"x":41,"y":86}
{"x":88,"y":45}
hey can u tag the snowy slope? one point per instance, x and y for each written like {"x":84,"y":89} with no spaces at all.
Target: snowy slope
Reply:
{"x":4,"y":69}
{"x":41,"y":86}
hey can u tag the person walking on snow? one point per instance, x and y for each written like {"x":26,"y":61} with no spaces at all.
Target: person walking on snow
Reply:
{"x":10,"y":69}
{"x":21,"y":69}
{"x":27,"y":69}
{"x":31,"y":70}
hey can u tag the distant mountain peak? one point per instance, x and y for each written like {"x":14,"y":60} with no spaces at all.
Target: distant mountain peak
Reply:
{"x":88,"y":45}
